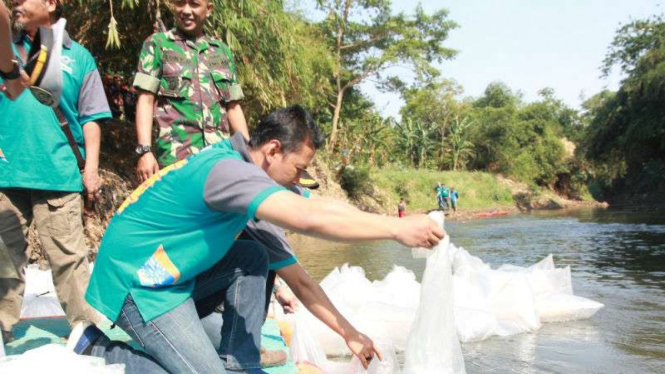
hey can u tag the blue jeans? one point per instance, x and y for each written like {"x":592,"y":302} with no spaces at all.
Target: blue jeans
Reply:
{"x":175,"y":342}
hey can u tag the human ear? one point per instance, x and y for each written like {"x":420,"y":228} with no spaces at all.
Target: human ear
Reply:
{"x":273,"y":148}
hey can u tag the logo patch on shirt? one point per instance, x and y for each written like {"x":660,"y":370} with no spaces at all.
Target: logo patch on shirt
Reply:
{"x":66,"y":64}
{"x":2,"y":156}
{"x":159,"y":270}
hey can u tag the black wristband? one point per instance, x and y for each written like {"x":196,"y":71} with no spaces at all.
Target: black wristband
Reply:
{"x":14,"y":74}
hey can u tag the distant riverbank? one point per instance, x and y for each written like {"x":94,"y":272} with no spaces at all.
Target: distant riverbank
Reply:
{"x":480,"y":194}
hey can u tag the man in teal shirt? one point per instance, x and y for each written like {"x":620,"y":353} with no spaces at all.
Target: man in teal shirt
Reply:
{"x":171,"y":248}
{"x":39,"y":177}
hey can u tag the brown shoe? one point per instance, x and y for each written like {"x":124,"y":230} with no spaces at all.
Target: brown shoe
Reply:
{"x":272,"y":358}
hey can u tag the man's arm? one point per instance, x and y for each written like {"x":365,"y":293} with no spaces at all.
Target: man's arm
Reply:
{"x":147,"y":164}
{"x":91,"y":181}
{"x":13,"y":87}
{"x":340,"y":221}
{"x":318,"y":303}
{"x":237,"y":119}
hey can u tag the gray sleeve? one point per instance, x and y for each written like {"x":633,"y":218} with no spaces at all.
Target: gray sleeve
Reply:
{"x":273,"y":238}
{"x":92,"y":103}
{"x":235,"y":186}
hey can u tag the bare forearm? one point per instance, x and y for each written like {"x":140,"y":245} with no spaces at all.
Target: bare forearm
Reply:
{"x":144,"y":114}
{"x":315,"y":300}
{"x":92,"y":134}
{"x":236,"y":118}
{"x":328,"y":219}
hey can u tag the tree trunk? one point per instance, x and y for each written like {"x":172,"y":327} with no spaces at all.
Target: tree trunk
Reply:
{"x":335,"y":121}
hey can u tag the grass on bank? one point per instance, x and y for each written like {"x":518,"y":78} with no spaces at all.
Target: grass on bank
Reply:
{"x":477,"y":190}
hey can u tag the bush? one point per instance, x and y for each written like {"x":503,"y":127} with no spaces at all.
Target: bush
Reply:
{"x":355,"y":182}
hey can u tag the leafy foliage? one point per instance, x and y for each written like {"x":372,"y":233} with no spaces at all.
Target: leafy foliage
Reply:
{"x":626,"y":135}
{"x":367,"y":39}
{"x":355,"y":182}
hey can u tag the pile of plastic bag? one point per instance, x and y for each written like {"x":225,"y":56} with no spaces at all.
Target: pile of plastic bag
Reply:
{"x":461,"y":299}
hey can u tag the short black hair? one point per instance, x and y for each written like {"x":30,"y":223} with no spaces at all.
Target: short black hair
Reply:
{"x":292,"y":126}
{"x":59,"y":9}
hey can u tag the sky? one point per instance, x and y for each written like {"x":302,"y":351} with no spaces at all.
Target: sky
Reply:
{"x":528,"y":44}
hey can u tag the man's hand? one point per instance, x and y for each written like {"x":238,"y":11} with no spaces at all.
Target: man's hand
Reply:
{"x":14,"y":87}
{"x":419,"y":231}
{"x":363,"y":348}
{"x":91,"y":185}
{"x":147,"y":166}
{"x":286,"y":299}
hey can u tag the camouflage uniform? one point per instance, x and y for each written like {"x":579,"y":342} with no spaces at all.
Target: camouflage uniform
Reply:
{"x":194,"y":80}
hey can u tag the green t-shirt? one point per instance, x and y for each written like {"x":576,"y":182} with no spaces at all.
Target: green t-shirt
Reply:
{"x":444,"y":192}
{"x":34,"y":152}
{"x":173,"y":227}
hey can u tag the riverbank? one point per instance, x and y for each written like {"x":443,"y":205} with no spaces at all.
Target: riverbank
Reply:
{"x":481,"y":194}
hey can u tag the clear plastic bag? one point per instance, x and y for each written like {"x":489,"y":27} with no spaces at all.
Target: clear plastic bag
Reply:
{"x":433,"y":346}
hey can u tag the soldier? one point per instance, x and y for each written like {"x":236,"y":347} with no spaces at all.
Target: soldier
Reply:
{"x":188,"y":82}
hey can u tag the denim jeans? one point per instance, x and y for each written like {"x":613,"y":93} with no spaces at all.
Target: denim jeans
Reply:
{"x":176,"y":342}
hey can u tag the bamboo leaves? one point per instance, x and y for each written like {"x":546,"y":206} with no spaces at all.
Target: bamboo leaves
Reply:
{"x":113,"y":39}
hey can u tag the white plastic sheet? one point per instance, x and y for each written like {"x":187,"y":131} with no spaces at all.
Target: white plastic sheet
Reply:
{"x":56,"y":359}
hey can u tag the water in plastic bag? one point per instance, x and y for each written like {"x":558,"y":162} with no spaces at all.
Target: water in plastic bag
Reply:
{"x":433,"y":346}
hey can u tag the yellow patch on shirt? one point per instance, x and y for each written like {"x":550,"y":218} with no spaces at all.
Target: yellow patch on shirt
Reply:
{"x":136,"y":194}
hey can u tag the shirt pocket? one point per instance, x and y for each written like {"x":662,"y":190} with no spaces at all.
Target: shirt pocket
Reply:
{"x":222,"y":81}
{"x":176,"y":86}
{"x":64,"y":214}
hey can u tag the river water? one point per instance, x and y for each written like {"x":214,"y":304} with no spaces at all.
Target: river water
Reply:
{"x":617,"y":258}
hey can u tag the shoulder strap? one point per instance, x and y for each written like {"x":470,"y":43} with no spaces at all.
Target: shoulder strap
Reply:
{"x":64,"y":124}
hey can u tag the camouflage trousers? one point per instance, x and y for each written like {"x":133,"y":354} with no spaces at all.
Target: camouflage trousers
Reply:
{"x":59,"y":223}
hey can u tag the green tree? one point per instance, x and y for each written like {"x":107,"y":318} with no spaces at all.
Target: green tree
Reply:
{"x":434,"y":103}
{"x":497,"y":95}
{"x":461,"y":150}
{"x":366,"y":39}
{"x":414,"y":141}
{"x":626,"y":137}
{"x":522,"y":142}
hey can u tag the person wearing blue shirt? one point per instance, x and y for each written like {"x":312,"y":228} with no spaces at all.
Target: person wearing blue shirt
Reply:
{"x":174,"y":251}
{"x":454,"y":196}
{"x":39,"y":177}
